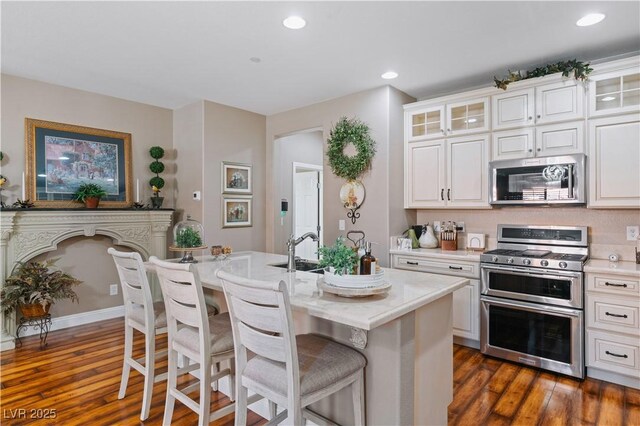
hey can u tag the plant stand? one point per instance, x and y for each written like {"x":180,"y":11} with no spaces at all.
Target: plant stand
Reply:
{"x":187,"y":257}
{"x":42,"y":322}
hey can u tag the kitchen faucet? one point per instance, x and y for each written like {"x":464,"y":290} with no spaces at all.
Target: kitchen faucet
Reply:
{"x":291,"y":248}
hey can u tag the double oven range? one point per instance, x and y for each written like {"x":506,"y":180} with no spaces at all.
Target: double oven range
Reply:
{"x":532,"y":297}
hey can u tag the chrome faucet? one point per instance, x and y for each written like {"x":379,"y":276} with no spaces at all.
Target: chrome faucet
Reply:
{"x":291,"y":248}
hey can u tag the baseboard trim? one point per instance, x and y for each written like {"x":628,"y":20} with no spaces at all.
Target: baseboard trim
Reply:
{"x":74,"y":320}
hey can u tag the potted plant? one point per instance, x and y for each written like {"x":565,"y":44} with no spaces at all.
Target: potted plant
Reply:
{"x":89,"y":194}
{"x":156,"y":182}
{"x":34,"y":287}
{"x":339,"y":258}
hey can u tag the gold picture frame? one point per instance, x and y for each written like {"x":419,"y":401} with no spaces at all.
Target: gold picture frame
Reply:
{"x":61,"y":156}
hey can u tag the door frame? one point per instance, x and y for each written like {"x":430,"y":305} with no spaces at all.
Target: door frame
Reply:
{"x":297,"y":166}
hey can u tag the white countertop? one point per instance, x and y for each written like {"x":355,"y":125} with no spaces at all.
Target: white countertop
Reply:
{"x":617,"y":268}
{"x":409,"y":291}
{"x":467,"y":255}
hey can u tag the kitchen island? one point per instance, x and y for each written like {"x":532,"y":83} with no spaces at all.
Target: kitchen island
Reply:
{"x":405,"y":334}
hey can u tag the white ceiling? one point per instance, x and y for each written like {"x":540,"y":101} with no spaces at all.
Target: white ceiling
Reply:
{"x":172,"y":53}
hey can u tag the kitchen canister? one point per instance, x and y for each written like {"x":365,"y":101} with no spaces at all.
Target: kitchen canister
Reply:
{"x":428,"y":237}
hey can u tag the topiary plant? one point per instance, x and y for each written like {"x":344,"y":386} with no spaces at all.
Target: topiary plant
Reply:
{"x":157,"y":167}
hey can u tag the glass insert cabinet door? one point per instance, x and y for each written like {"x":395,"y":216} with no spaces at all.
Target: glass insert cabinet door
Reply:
{"x":467,"y":117}
{"x":615,"y":92}
{"x":426,"y":123}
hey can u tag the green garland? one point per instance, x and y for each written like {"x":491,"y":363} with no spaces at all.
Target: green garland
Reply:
{"x":347,"y":132}
{"x":579,"y":69}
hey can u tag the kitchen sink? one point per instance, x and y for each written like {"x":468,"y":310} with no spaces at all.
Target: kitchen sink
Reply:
{"x":303,"y":265}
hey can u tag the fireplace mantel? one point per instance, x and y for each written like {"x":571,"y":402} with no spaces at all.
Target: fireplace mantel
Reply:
{"x":25,"y":234}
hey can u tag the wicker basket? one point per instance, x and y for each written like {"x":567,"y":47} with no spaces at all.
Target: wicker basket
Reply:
{"x":34,"y":310}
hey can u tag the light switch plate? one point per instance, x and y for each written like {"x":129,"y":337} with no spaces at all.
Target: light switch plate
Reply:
{"x":632,"y":232}
{"x":341,"y":225}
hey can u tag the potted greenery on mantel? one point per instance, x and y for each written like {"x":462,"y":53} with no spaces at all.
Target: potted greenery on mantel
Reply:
{"x":89,"y":194}
{"x":34,"y":287}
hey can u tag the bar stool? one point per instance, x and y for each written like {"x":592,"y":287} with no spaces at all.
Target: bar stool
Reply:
{"x":142,"y":314}
{"x":205,"y":341}
{"x":292,"y":371}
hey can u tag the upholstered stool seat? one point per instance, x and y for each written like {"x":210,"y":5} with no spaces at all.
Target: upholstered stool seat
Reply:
{"x":186,"y":340}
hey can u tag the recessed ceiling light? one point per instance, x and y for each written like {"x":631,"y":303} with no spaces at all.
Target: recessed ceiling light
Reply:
{"x":389,"y":75}
{"x":590,"y":19}
{"x":294,"y":22}
{"x":608,"y":98}
{"x":255,"y":59}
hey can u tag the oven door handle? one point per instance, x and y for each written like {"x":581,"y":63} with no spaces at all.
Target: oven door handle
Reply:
{"x":528,"y":272}
{"x":531,"y":307}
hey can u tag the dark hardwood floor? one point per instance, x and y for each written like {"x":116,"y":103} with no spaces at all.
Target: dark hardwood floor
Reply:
{"x":76,"y":379}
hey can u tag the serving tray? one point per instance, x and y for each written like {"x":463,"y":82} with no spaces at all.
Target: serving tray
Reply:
{"x":381,"y":288}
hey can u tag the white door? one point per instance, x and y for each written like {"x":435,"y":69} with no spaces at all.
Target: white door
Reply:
{"x":559,"y":101}
{"x":468,"y":164}
{"x":306,"y":210}
{"x":425,"y":175}
{"x":512,"y":109}
{"x":511,"y":144}
{"x":560,"y":139}
{"x":614,"y":162}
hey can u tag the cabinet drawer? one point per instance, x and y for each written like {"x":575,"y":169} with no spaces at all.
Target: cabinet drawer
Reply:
{"x":613,"y":284}
{"x":613,"y":314}
{"x":446,"y":267}
{"x":612,"y":352}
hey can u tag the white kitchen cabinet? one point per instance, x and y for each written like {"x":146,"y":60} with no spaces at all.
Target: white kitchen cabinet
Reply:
{"x":614,"y":162}
{"x":614,"y":92}
{"x":512,"y":144}
{"x":451,"y":173}
{"x":612,"y":312}
{"x":471,"y":116}
{"x":560,"y":139}
{"x":544,"y":104}
{"x":425,"y":123}
{"x":466,"y":300}
{"x":425,"y":174}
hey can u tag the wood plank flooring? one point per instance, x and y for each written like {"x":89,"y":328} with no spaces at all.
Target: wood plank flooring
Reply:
{"x":78,"y":376}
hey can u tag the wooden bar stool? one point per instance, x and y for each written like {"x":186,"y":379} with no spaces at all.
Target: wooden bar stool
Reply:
{"x":142,"y":314}
{"x":292,"y":371}
{"x":205,"y":341}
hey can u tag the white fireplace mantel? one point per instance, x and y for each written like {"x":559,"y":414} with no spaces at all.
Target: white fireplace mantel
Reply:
{"x":25,"y":234}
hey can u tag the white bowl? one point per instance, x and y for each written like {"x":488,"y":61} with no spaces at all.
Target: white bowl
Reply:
{"x":354,"y":281}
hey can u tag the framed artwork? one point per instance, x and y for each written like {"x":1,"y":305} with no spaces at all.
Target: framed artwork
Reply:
{"x":236,"y":178}
{"x":60,"y":157}
{"x":236,"y":212}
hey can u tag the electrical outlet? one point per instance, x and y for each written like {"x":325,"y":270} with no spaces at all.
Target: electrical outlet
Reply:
{"x":632,"y":232}
{"x":436,"y":226}
{"x":196,"y":195}
{"x":113,"y":289}
{"x":460,"y":227}
{"x":341,"y":225}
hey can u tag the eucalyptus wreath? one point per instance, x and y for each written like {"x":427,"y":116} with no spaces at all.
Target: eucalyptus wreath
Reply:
{"x":345,"y":132}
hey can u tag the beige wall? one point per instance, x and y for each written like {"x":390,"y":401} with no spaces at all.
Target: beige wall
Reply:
{"x":607,"y":228}
{"x":148,"y":125}
{"x":375,"y":108}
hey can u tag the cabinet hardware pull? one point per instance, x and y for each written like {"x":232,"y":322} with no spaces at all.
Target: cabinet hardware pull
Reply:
{"x":457,"y":268}
{"x":412,"y":263}
{"x":530,"y":150}
{"x":442,"y":130}
{"x":448,"y":130}
{"x":539,"y":116}
{"x":614,"y":284}
{"x":616,"y":355}
{"x":442,"y":194}
{"x":530,"y":118}
{"x":449,"y":194}
{"x":539,"y":150}
{"x":616,"y":315}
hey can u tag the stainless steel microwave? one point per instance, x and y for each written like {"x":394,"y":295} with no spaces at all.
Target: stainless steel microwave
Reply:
{"x":538,"y":181}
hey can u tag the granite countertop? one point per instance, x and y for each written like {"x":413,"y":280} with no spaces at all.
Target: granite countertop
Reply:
{"x":410,"y":290}
{"x":468,"y":255}
{"x":616,"y":268}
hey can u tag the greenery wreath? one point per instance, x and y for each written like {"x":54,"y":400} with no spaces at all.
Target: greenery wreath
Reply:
{"x":345,"y":132}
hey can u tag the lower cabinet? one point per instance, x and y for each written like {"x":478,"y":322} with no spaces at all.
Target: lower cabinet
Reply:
{"x":612,"y":313}
{"x":466,"y":300}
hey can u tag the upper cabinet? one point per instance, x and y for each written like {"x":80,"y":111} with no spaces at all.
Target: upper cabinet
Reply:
{"x":548,"y":103}
{"x":438,"y":121}
{"x":614,"y":92}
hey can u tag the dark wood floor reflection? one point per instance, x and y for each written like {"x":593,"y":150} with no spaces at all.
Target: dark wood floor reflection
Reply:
{"x":491,"y":392}
{"x":78,"y":376}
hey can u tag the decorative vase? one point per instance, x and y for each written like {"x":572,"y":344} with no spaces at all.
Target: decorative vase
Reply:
{"x":91,"y":202}
{"x":34,"y":310}
{"x":428,"y":238}
{"x":414,"y":240}
{"x":156,"y":202}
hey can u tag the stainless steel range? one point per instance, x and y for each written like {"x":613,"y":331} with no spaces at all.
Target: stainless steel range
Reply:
{"x":532,"y":297}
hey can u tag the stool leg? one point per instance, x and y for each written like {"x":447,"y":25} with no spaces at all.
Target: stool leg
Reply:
{"x":149,"y":366}
{"x":205,"y":392}
{"x":128,"y":349}
{"x":241,"y":404}
{"x":357,"y":389}
{"x":273,"y":410}
{"x":172,"y":380}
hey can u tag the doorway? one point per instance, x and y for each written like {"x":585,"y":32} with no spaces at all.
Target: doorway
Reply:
{"x":307,"y":207}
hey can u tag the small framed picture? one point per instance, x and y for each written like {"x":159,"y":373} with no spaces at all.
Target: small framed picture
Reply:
{"x":236,"y":212}
{"x":236,"y":178}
